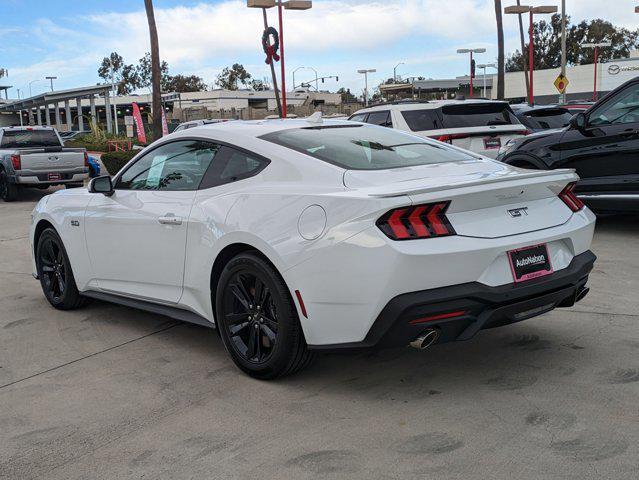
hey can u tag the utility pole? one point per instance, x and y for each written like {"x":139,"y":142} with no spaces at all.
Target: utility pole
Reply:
{"x":563,"y":45}
{"x":115,"y":108}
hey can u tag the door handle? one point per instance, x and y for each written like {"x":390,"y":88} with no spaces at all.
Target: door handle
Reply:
{"x":170,"y":220}
{"x":629,"y":133}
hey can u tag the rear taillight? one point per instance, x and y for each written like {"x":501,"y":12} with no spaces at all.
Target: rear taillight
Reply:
{"x":419,"y":221}
{"x":450,"y":138}
{"x":86,"y":159}
{"x":17,"y":162}
{"x":569,"y":198}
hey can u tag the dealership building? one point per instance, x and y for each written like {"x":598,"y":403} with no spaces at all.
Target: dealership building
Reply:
{"x":581,"y":83}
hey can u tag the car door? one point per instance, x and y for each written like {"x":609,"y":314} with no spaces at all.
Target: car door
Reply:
{"x":605,"y":153}
{"x":137,"y":236}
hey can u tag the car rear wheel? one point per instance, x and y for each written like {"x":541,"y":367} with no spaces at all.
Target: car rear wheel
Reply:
{"x":8,"y":190}
{"x":257,"y":319}
{"x":54,"y":271}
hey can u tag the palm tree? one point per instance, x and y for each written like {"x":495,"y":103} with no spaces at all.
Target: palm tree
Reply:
{"x":500,"y":52}
{"x":155,"y":70}
{"x":523,"y":48}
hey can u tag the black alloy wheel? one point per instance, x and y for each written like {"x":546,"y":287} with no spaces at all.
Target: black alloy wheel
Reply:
{"x":257,"y":319}
{"x":250,"y":316}
{"x":8,"y":190}
{"x":54,"y":271}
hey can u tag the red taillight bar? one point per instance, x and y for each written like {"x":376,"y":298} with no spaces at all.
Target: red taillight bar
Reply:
{"x":419,"y":221}
{"x":441,"y":316}
{"x":449,"y":138}
{"x":16,"y":162}
{"x":568,"y":196}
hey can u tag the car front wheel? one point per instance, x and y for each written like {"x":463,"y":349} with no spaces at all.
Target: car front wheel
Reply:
{"x":257,"y":319}
{"x":54,"y":272}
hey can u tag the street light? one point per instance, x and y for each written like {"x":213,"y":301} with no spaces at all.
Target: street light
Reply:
{"x":289,"y":5}
{"x":518,"y":10}
{"x":308,"y":68}
{"x":484,"y":66}
{"x":472,"y":70}
{"x":395,"y":71}
{"x":596,"y":46}
{"x":32,"y":82}
{"x":366,"y":72}
{"x":51,"y":79}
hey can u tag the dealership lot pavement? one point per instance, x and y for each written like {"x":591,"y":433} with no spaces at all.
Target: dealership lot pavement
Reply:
{"x":109,"y":392}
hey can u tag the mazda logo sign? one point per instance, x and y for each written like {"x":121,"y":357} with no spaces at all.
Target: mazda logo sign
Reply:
{"x":614,"y":69}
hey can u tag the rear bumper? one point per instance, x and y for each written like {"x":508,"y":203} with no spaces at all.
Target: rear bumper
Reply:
{"x":480,"y":306}
{"x":30,"y":177}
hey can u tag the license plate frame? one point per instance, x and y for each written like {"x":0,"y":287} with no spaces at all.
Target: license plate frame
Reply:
{"x":54,"y":176}
{"x":492,"y":143}
{"x":526,"y":264}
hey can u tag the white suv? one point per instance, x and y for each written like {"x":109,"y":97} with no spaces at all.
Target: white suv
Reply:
{"x":481,"y":126}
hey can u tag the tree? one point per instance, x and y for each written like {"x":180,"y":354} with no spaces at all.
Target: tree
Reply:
{"x":347,"y":96}
{"x":500,"y":51}
{"x":182,"y":83}
{"x":259,"y":85}
{"x":230,"y":78}
{"x":124,"y":76}
{"x":144,"y":71}
{"x":155,"y":70}
{"x":547,"y":43}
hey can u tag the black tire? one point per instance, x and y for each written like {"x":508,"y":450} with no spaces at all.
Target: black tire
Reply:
{"x":54,"y":272}
{"x":8,"y":190}
{"x":257,"y":319}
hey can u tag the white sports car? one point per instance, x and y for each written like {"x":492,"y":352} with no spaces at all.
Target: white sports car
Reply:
{"x":301,"y":235}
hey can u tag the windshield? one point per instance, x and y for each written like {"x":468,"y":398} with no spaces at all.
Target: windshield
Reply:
{"x":29,"y":139}
{"x":547,"y":118}
{"x":461,"y":115}
{"x":363,"y":147}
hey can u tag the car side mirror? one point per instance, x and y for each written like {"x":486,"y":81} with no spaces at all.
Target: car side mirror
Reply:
{"x":102,"y":184}
{"x":578,"y":121}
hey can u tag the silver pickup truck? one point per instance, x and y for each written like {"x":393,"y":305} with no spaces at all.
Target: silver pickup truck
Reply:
{"x":36,"y":157}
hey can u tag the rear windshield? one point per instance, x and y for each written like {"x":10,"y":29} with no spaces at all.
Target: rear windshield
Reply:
{"x":460,"y":116}
{"x":363,"y":147}
{"x":29,"y":139}
{"x":548,"y":118}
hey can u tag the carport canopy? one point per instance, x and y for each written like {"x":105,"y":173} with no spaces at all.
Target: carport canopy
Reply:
{"x":55,"y":98}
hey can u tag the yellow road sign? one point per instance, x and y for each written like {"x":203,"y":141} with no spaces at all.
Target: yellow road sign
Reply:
{"x":561,"y":83}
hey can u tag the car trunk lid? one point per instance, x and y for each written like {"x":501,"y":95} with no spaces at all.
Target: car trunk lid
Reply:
{"x":487,"y":199}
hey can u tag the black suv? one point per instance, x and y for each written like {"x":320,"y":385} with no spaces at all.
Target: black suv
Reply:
{"x":601,"y":144}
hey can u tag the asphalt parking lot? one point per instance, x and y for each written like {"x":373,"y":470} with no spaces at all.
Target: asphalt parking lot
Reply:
{"x":110,"y":392}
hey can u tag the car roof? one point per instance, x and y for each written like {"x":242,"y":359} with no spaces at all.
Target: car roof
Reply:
{"x":524,"y":107}
{"x":257,"y":128}
{"x":417,"y":105}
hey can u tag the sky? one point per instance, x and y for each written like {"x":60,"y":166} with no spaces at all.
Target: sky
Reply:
{"x":69,"y":38}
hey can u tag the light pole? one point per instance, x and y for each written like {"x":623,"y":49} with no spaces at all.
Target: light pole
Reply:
{"x":472,"y":70}
{"x":563,"y":45}
{"x":298,"y":68}
{"x":596,"y":46}
{"x":365,"y":72}
{"x":288,"y":5}
{"x":484,"y":66}
{"x":115,"y":98}
{"x":32,"y":82}
{"x":19,"y":111}
{"x":518,"y":10}
{"x":395,"y":71}
{"x":51,"y":79}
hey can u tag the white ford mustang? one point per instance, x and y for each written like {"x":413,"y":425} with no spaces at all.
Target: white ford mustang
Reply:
{"x":299,"y":235}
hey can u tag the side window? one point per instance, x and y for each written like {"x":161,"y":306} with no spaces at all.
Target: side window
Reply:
{"x":382,"y":119}
{"x":426,"y":119}
{"x":358,"y":117}
{"x":173,"y":166}
{"x":624,"y":108}
{"x":231,"y":165}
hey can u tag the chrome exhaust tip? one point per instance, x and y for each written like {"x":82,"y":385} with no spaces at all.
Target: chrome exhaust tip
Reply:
{"x":582,"y":293}
{"x":425,"y":339}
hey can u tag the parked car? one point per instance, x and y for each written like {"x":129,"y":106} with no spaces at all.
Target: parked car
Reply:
{"x":602,"y":145}
{"x":198,"y":123}
{"x":302,"y":235}
{"x":577,"y":106}
{"x":35,"y":157}
{"x":481,"y":126}
{"x":542,"y":117}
